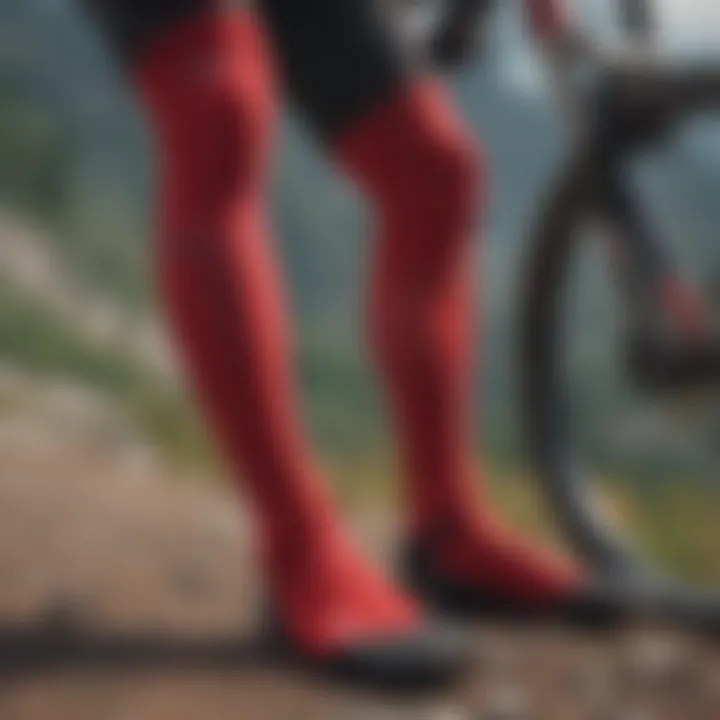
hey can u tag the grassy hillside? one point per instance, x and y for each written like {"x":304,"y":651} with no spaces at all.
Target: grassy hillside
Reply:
{"x":34,"y":338}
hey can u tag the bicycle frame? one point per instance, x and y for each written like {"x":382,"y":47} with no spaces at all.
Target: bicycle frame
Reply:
{"x":652,"y":99}
{"x":637,"y":18}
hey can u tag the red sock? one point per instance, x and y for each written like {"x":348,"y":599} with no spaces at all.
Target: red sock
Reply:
{"x":208,"y":87}
{"x":420,"y":167}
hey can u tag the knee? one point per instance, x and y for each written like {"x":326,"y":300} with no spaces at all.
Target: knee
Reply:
{"x":220,"y":136}
{"x":421,"y":162}
{"x":210,"y":103}
{"x":450,"y":177}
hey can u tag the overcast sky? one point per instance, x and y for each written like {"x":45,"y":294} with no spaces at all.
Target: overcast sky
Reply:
{"x":691,"y":22}
{"x":687,"y":27}
{"x":684,"y":24}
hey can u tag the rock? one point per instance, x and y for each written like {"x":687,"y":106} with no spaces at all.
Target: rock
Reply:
{"x":625,"y":714}
{"x":506,"y":704}
{"x":411,"y":712}
{"x":660,"y":663}
{"x":587,"y":683}
{"x":192,"y":582}
{"x":65,"y":614}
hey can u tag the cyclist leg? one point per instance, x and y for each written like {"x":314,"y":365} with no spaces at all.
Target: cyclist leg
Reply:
{"x":204,"y":74}
{"x":393,"y":130}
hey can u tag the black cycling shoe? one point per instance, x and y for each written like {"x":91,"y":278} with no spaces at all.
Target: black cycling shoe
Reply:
{"x":588,"y":607}
{"x":434,"y":657}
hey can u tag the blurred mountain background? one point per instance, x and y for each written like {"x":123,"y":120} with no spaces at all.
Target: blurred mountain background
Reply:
{"x":76,"y":301}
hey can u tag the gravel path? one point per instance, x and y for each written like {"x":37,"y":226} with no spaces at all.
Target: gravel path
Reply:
{"x":107,"y":543}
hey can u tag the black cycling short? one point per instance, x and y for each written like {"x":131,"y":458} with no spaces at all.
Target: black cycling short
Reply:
{"x":338,"y":58}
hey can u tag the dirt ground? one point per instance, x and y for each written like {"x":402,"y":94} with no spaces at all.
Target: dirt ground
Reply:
{"x":128,"y":594}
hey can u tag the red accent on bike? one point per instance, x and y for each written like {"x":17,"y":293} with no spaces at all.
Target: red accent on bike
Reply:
{"x":684,"y":308}
{"x":548,"y":18}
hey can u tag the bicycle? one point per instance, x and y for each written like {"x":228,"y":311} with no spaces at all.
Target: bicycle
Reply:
{"x":623,"y":109}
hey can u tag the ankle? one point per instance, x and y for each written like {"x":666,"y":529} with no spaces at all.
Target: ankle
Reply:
{"x":449,"y":520}
{"x":303,"y":543}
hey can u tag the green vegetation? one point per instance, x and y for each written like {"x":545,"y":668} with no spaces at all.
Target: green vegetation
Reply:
{"x":674,"y":524}
{"x":34,"y":152}
{"x":32,"y":337}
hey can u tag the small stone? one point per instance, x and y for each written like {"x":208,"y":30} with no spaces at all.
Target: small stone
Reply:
{"x":192,"y":582}
{"x":588,"y":683}
{"x":625,"y":714}
{"x":412,"y":712}
{"x":65,"y":614}
{"x":660,"y":663}
{"x":506,"y":704}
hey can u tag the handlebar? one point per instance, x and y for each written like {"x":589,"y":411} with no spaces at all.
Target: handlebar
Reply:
{"x":571,"y":61}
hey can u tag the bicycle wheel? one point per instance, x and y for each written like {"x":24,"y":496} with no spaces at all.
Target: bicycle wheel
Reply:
{"x":617,"y":333}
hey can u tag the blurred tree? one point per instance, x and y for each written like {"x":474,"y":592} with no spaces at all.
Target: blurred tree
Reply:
{"x":35,"y":152}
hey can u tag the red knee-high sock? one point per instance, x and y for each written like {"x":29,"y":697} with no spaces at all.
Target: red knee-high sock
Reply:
{"x":419,"y":167}
{"x":208,"y":87}
{"x":417,"y":163}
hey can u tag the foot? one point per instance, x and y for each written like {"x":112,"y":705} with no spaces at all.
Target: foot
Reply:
{"x":336,"y":616}
{"x":477,"y":569}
